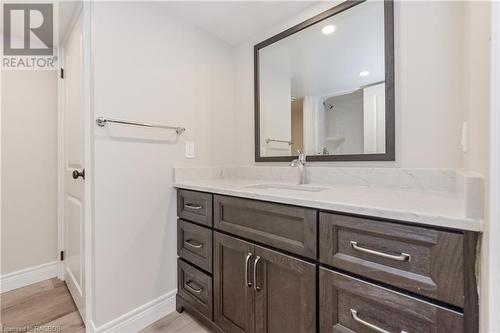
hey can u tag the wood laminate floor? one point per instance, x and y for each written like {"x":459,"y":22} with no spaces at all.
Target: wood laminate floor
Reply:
{"x":48,"y":304}
{"x":177,"y":323}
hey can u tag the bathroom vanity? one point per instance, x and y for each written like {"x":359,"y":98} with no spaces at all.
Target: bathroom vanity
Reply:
{"x":359,"y":250}
{"x":249,"y":265}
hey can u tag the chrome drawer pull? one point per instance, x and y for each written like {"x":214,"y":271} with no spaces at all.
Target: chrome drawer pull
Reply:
{"x":190,"y":243}
{"x":193,"y":206}
{"x":196,"y":290}
{"x":354,"y":314}
{"x":247,"y":259}
{"x":255,"y":282}
{"x":401,"y":257}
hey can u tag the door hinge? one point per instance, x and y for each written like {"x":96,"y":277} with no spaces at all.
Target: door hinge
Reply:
{"x":62,"y":255}
{"x":62,"y":73}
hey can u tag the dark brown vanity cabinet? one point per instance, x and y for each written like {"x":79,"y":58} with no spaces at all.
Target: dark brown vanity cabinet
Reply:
{"x":348,"y":304}
{"x":194,"y":244}
{"x":254,"y":266}
{"x":195,"y":207}
{"x":260,"y":290}
{"x":234,"y":295}
{"x":285,"y":297}
{"x":289,"y":228}
{"x":195,"y":287}
{"x":422,"y":260}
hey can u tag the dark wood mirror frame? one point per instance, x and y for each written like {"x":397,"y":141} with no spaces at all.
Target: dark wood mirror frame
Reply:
{"x":389,"y":154}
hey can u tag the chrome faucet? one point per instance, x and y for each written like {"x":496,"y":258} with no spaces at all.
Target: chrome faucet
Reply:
{"x":300,"y":162}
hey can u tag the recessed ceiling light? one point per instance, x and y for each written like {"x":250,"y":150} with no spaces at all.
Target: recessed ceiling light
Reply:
{"x":328,"y":29}
{"x":364,"y":73}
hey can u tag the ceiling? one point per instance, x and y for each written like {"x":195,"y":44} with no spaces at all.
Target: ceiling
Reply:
{"x":235,"y":21}
{"x":230,"y":21}
{"x":67,"y":13}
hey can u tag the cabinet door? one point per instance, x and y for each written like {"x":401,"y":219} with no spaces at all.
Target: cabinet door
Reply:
{"x":233,"y":292}
{"x":285,"y":293}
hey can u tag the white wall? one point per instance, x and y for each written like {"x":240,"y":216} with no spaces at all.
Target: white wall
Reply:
{"x":476,"y":113}
{"x":429,"y":74}
{"x":29,"y":169}
{"x":164,"y":72}
{"x":476,"y":84}
{"x":344,"y":120}
{"x":494,"y":176}
{"x":276,"y":108}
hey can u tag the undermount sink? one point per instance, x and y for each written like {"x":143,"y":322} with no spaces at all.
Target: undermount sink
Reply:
{"x":302,"y":188}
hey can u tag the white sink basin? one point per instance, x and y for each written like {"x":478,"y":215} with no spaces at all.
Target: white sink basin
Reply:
{"x":301,"y":188}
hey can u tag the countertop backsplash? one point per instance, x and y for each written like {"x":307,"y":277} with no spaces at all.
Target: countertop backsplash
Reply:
{"x":434,"y":180}
{"x":441,"y":197}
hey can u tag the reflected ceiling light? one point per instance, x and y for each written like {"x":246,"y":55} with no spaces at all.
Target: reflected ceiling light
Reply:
{"x":364,"y":73}
{"x":328,"y":29}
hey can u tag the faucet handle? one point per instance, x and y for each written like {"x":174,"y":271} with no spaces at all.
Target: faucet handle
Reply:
{"x":302,"y":156}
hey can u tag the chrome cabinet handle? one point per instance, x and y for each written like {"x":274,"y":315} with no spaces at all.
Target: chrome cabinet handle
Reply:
{"x":255,"y":282}
{"x":247,"y":261}
{"x":190,"y":243}
{"x":354,"y":314}
{"x":193,"y":206}
{"x":196,"y":290}
{"x":401,"y":257}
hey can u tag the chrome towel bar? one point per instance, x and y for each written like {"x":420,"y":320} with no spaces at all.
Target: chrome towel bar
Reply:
{"x":101,"y":122}
{"x":283,"y":141}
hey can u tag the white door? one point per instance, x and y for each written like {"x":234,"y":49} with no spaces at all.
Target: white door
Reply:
{"x":74,"y":270}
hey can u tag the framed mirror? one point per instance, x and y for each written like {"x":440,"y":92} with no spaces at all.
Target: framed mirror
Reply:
{"x":326,"y":87}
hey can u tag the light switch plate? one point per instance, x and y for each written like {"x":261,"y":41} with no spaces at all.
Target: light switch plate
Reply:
{"x":189,"y":149}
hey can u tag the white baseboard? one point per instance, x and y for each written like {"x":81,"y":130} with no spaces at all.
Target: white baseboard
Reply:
{"x":141,"y":317}
{"x":29,"y":276}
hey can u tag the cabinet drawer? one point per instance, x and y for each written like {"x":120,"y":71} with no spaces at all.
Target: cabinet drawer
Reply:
{"x":425,"y":261}
{"x":194,"y":243}
{"x":194,"y":206}
{"x":352,"y":305}
{"x":195,"y":287}
{"x":292,"y":229}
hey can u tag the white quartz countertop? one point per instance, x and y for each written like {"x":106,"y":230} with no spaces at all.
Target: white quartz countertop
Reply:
{"x":442,"y":209}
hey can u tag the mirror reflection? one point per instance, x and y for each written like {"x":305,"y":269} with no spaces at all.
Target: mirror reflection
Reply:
{"x":322,"y":89}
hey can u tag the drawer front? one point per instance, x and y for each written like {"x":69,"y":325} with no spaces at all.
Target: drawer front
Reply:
{"x":352,"y":305}
{"x":289,"y":228}
{"x":424,"y":261}
{"x":195,"y":206}
{"x":194,"y":243}
{"x":195,"y":287}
